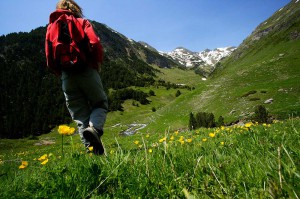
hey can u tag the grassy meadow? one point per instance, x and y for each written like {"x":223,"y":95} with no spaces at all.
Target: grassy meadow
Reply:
{"x":241,"y":161}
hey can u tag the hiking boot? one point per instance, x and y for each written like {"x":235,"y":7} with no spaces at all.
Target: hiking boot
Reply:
{"x":93,"y":137}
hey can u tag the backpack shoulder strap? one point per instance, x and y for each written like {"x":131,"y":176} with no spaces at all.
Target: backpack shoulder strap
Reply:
{"x":75,"y":28}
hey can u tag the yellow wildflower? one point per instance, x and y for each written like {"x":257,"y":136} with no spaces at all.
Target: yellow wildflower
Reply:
{"x":23,"y":165}
{"x":66,"y":130}
{"x":147,"y":136}
{"x":71,"y":131}
{"x":176,"y":132}
{"x":163,"y":139}
{"x":181,"y":141}
{"x":43,"y":157}
{"x":150,"y":150}
{"x":249,"y":124}
{"x":44,"y":162}
{"x":212,"y":135}
{"x":136,"y":142}
{"x":91,"y":148}
{"x":189,"y":140}
{"x":204,"y":139}
{"x":172,"y":137}
{"x":222,"y":143}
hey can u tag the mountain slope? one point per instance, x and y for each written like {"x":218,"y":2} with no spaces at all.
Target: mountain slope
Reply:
{"x":265,"y":66}
{"x":31,"y":98}
{"x":268,"y":62}
{"x":125,"y":58}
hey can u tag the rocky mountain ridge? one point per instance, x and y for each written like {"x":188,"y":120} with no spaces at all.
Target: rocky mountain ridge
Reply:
{"x":281,"y":25}
{"x":206,"y":57}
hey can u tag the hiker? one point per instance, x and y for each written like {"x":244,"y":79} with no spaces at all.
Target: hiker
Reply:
{"x":81,"y":83}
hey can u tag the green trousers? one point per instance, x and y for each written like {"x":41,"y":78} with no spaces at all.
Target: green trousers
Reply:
{"x":85,"y":99}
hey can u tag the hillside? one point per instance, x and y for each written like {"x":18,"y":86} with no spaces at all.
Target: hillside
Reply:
{"x":266,"y":66}
{"x":267,"y":62}
{"x":31,"y":99}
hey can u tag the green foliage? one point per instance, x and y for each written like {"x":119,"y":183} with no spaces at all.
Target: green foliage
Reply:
{"x":237,"y":161}
{"x":31,"y":103}
{"x":178,"y":93}
{"x":170,"y":85}
{"x":202,"y":119}
{"x":192,"y":122}
{"x":116,"y":98}
{"x":220,"y":121}
{"x":261,"y":114}
{"x":151,"y":93}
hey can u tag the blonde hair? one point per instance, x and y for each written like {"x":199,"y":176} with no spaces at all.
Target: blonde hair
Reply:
{"x":70,"y":5}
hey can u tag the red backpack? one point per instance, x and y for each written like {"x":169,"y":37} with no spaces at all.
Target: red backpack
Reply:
{"x":66,"y":44}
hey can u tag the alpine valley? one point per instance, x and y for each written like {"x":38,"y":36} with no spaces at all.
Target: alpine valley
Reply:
{"x":154,"y":91}
{"x":204,"y":61}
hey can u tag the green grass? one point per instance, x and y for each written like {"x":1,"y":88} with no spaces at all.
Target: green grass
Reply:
{"x":261,"y":161}
{"x":178,"y":76}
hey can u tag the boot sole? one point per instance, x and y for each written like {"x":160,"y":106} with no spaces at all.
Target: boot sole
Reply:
{"x":95,"y":142}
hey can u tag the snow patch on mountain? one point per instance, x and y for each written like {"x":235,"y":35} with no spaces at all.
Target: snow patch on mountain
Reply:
{"x":192,"y":59}
{"x":211,"y":57}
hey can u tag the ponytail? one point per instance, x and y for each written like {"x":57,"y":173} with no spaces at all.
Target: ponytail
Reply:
{"x":70,"y":5}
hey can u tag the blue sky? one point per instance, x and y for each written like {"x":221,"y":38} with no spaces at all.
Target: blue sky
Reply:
{"x":164,"y":24}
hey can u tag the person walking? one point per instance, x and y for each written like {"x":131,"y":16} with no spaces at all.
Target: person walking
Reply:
{"x":81,"y":83}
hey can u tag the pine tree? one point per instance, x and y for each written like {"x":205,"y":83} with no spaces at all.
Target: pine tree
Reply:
{"x":192,"y":122}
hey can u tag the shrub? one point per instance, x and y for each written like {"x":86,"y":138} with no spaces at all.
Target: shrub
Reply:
{"x":220,"y":121}
{"x":177,"y":93}
{"x":192,"y":122}
{"x":151,"y":93}
{"x":202,"y":119}
{"x":261,"y":114}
